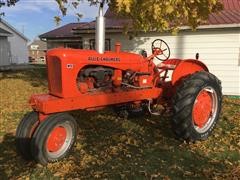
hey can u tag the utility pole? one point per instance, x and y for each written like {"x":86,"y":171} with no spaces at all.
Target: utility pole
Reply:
{"x":23,"y":29}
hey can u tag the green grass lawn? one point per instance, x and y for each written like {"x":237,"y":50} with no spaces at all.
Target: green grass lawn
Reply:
{"x":113,"y":148}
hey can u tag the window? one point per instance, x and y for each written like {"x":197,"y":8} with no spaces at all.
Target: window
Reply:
{"x":34,"y":47}
{"x":107,"y":44}
{"x":74,"y":45}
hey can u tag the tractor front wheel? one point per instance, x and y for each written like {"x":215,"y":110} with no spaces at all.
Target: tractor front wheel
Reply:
{"x":24,"y":133}
{"x":196,"y":106}
{"x":54,"y":138}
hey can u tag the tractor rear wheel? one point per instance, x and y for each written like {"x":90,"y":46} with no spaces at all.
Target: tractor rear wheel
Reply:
{"x":54,"y":138}
{"x":24,"y":133}
{"x":196,"y":106}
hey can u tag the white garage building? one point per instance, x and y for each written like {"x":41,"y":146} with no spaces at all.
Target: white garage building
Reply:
{"x":13,"y":45}
{"x":217,"y":41}
{"x":219,"y":49}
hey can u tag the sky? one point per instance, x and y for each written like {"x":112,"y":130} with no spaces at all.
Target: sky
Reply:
{"x":35,"y":17}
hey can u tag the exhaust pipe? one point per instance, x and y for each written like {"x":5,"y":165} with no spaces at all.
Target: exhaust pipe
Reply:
{"x":100,"y":31}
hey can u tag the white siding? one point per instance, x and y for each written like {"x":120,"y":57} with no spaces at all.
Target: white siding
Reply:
{"x":19,"y":51}
{"x":218,"y":49}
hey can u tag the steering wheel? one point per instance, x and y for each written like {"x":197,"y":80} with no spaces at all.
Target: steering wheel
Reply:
{"x":160,"y":49}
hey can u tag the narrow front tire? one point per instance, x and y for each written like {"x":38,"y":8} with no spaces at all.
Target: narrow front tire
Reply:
{"x":24,"y":133}
{"x":54,"y":138}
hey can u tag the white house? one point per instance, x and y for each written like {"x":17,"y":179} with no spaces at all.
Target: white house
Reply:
{"x":217,"y":41}
{"x":15,"y":43}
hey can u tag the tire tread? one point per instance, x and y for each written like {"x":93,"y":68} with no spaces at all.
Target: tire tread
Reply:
{"x":183,"y":101}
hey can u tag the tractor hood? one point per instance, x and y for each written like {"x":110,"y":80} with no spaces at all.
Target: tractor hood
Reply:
{"x":64,"y":66}
{"x":121,"y":60}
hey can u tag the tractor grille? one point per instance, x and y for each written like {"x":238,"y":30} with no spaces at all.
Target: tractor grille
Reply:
{"x":54,"y":76}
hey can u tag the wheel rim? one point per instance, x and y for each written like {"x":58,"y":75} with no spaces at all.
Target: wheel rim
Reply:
{"x":205,"y":109}
{"x":59,"y":140}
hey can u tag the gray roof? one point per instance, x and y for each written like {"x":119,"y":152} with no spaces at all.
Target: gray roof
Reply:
{"x":5,"y":33}
{"x":65,"y":31}
{"x":228,"y":17}
{"x":13,"y":29}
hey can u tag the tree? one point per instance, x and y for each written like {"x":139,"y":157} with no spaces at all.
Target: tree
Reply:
{"x":157,"y":15}
{"x":150,"y":15}
{"x":6,"y":3}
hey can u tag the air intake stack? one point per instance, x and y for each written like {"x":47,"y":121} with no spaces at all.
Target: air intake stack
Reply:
{"x":100,"y":31}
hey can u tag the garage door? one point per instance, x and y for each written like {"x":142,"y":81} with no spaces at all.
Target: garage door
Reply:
{"x":4,"y":52}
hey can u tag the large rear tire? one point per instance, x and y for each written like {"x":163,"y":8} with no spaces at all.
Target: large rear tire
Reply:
{"x":24,"y":133}
{"x":196,"y":106}
{"x":54,"y":138}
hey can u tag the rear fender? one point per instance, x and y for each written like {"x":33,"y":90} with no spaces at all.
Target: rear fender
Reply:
{"x":185,"y":68}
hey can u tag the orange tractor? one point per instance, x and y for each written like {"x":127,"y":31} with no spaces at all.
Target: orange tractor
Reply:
{"x":131,"y":83}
